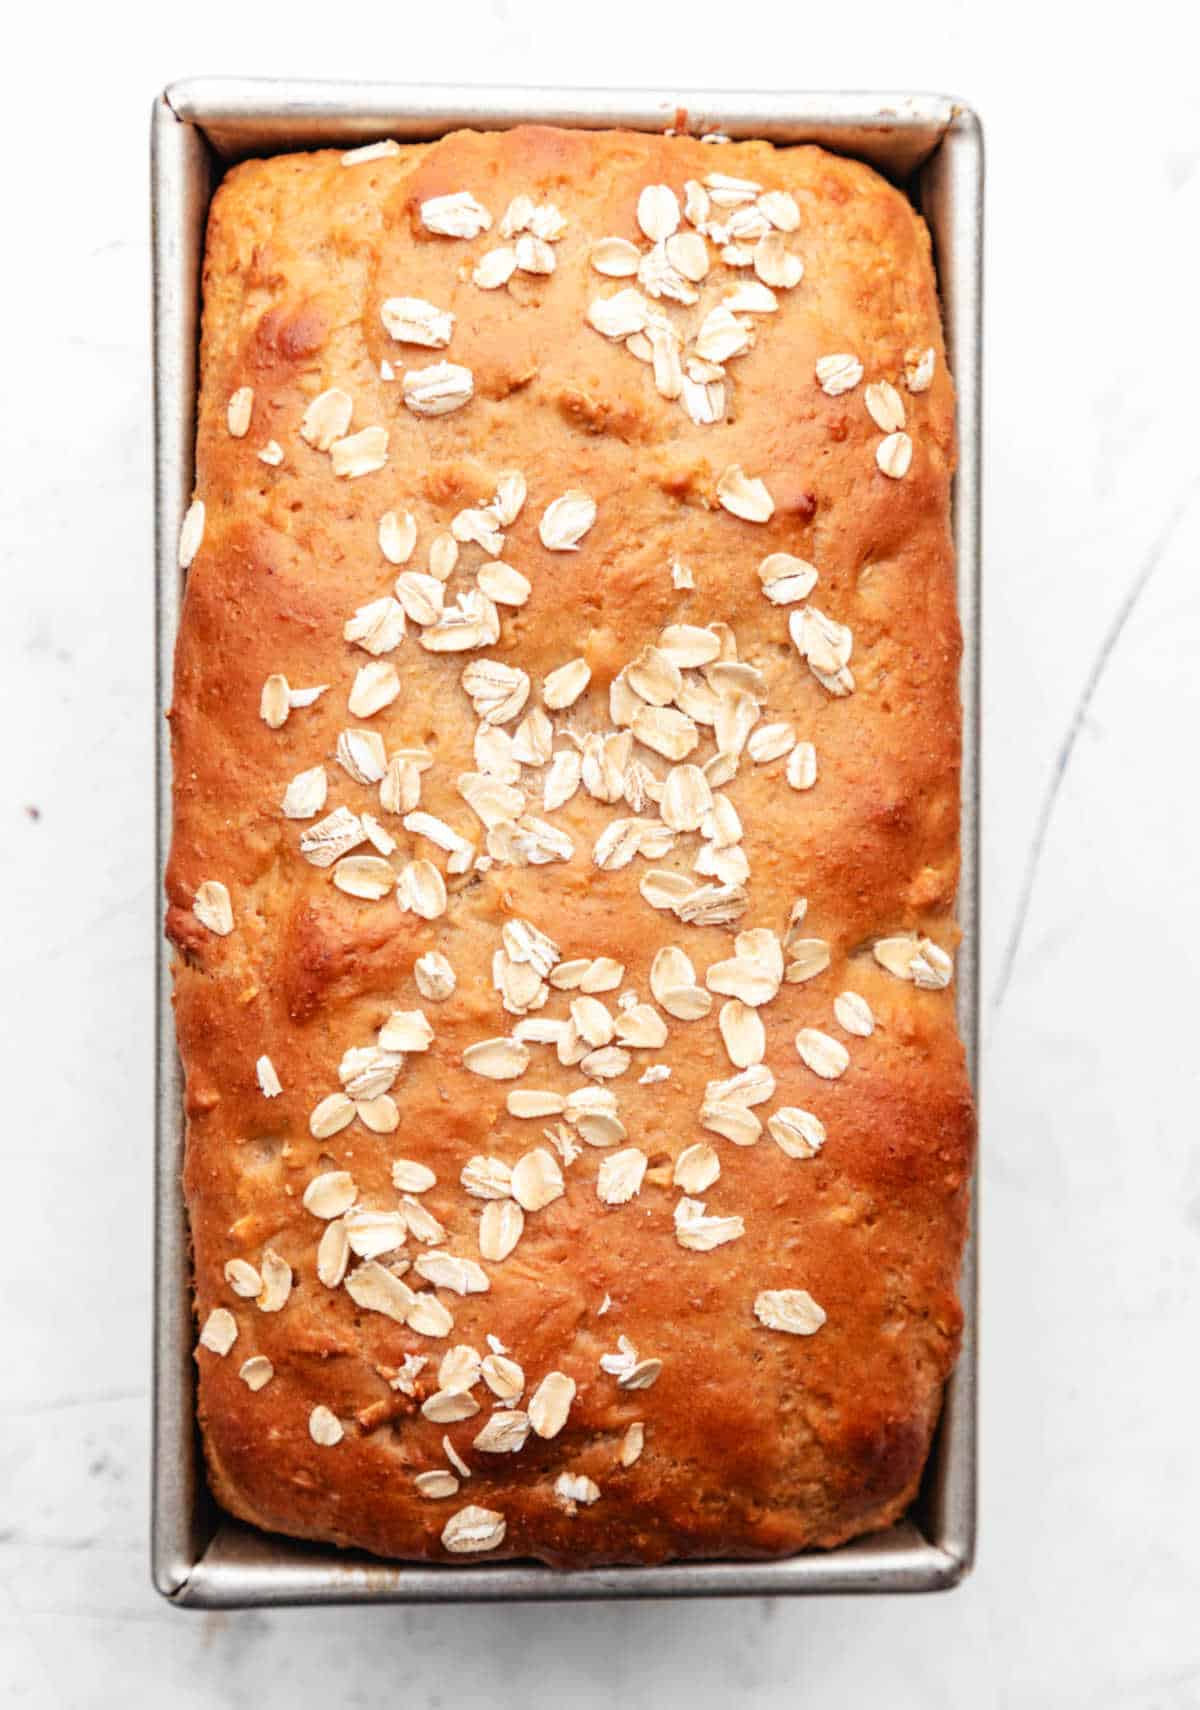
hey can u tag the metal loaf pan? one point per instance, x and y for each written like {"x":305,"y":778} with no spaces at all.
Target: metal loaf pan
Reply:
{"x":931,"y":145}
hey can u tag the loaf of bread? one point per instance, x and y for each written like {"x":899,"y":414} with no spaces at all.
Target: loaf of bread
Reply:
{"x":566,"y":752}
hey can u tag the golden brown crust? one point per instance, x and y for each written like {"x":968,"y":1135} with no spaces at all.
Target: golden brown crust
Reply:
{"x":757,"y":1442}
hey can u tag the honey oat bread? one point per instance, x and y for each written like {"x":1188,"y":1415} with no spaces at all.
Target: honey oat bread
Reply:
{"x":566,"y":746}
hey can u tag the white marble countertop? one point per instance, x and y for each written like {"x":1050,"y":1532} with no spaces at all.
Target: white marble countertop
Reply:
{"x":1088,"y":1561}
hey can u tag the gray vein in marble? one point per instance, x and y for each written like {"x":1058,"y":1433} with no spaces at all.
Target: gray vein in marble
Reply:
{"x":60,"y":1403}
{"x":1108,"y":646}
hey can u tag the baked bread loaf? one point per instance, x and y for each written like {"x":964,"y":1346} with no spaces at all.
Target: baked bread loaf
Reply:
{"x":566,"y":754}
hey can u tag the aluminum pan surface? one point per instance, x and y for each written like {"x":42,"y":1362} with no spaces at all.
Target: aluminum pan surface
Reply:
{"x":201,"y":1557}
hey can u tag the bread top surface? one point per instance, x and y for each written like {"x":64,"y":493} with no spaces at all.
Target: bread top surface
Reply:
{"x":756,"y":1440}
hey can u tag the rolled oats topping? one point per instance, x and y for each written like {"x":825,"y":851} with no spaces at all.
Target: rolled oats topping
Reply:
{"x":327,"y":418}
{"x":275,"y":703}
{"x":796,"y":1132}
{"x":641,"y":1027}
{"x":256,"y":1372}
{"x":920,"y":960}
{"x":666,"y":731}
{"x":332,"y":837}
{"x":371,"y":1234}
{"x":506,"y":586}
{"x":397,"y":535}
{"x":375,"y":686}
{"x":239,"y":411}
{"x":574,"y":1488}
{"x":723,"y":336}
{"x":365,"y":1071}
{"x":743,"y":1032}
{"x":500,"y":1228}
{"x":503,"y":1377}
{"x":381,"y":1115}
{"x":498,"y":692}
{"x":486,"y":1177}
{"x":411,"y":320}
{"x":370,"y":152}
{"x":212,"y":907}
{"x":434,"y":976}
{"x":536,"y":1179}
{"x":361,"y":753}
{"x":330,"y":1116}
{"x":495,"y":268}
{"x":801,"y":769}
{"x":620,"y":1176}
{"x":276,"y":1281}
{"x":376,"y":1289}
{"x":885,"y":406}
{"x":826,"y":645}
{"x":370,"y":878}
{"x":696,"y":1168}
{"x":615,"y":257}
{"x":333,"y":1254}
{"x":745,"y":496}
{"x":505,"y":1433}
{"x":456,"y":1461}
{"x":191,"y":534}
{"x":497,"y":1059}
{"x":753,"y":975}
{"x":775,"y":264}
{"x":754,"y":1085}
{"x":437,"y":1484}
{"x":428,"y":1317}
{"x":457,"y":215}
{"x":325,"y":1428}
{"x":785,"y":579}
{"x":838,"y":374}
{"x":642,"y":1374}
{"x":421,"y":1223}
{"x":360,"y":453}
{"x":854,"y":1014}
{"x":563,"y":687}
{"x":770,"y":742}
{"x":658,"y":212}
{"x":438,"y":389}
{"x":330,"y":1194}
{"x":622,"y":314}
{"x":700,"y":1233}
{"x":410,"y":1177}
{"x":632,"y":1444}
{"x":781,"y":209}
{"x":443,"y":556}
{"x":473,"y":1530}
{"x":894,"y":455}
{"x":449,"y":1406}
{"x":566,"y":520}
{"x":534,"y":254}
{"x":824,"y":1055}
{"x":918,"y":369}
{"x":406,"y":1030}
{"x":421,"y":890}
{"x":550,"y":1404}
{"x":377,"y":627}
{"x":517,"y":217}
{"x":243,"y":1279}
{"x":733,"y":1121}
{"x":477,"y":526}
{"x":790,"y":1309}
{"x":219,"y":1332}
